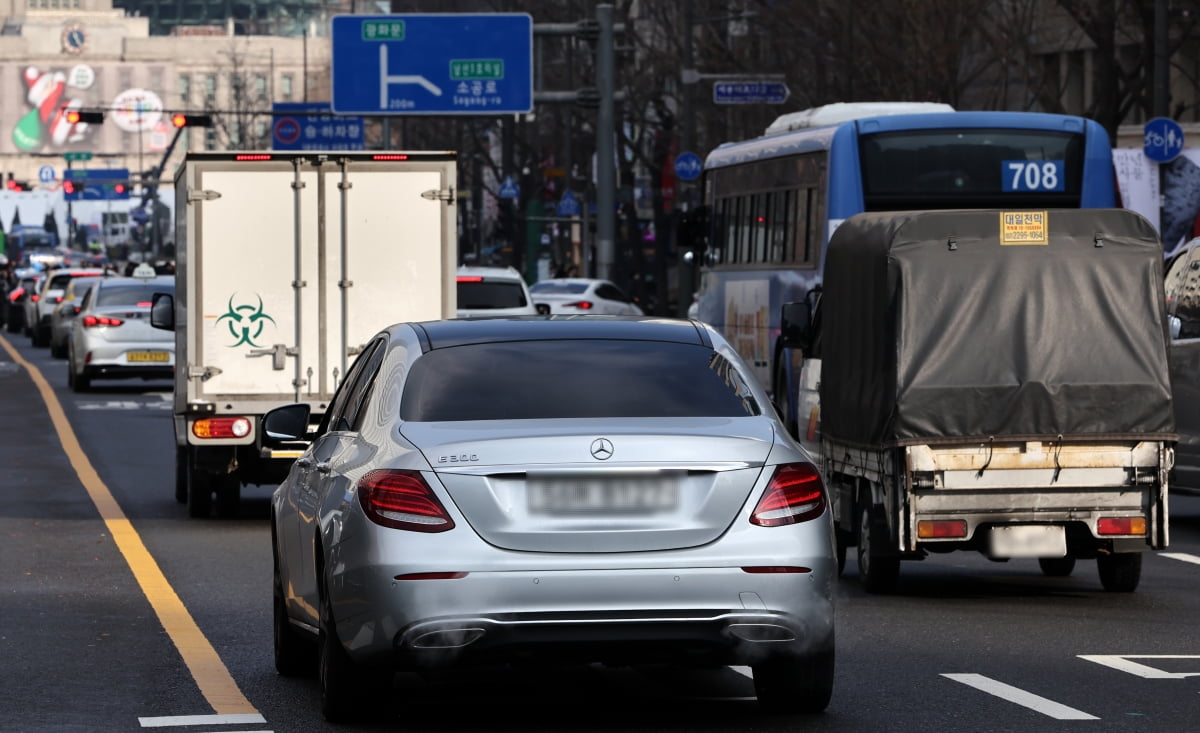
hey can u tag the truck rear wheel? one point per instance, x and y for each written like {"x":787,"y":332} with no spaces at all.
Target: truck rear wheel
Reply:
{"x":1120,"y":573}
{"x":199,"y":493}
{"x":878,"y":570}
{"x":181,"y":475}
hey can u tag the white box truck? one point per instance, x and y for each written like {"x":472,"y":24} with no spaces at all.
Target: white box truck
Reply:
{"x":286,"y":264}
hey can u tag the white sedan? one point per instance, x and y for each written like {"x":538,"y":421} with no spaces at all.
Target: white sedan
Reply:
{"x":578,"y":295}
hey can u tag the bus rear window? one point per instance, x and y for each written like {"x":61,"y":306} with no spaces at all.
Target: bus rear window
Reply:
{"x":971,"y":168}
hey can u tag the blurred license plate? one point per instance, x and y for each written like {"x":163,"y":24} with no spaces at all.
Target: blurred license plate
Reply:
{"x":1029,"y":540}
{"x":560,"y":495}
{"x":151,"y":356}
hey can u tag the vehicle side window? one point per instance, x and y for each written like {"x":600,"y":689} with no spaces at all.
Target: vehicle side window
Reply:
{"x":610,"y":292}
{"x":1183,"y":293}
{"x":343,"y":407}
{"x":363,"y":387}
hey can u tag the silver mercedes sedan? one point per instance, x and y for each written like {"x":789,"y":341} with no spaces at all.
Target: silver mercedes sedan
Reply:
{"x":552,"y":489}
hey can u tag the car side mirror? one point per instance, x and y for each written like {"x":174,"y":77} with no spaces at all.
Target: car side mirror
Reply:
{"x":1176,"y":324}
{"x":287,"y":422}
{"x":795,"y":326}
{"x":162,"y":311}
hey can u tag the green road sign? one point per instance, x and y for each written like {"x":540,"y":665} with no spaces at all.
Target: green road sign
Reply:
{"x":77,"y":155}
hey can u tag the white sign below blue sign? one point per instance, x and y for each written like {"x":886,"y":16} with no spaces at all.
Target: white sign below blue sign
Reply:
{"x":313,"y":126}
{"x":1164,"y":139}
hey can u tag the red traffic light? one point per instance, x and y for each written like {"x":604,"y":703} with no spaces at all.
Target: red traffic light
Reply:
{"x":69,"y":186}
{"x":119,"y":188}
{"x":180,"y":119}
{"x":75,"y":116}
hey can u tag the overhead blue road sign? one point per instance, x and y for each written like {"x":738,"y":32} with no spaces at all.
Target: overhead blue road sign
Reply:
{"x":432,"y":64}
{"x":1164,"y":139}
{"x":96,"y":184}
{"x":314,"y":126}
{"x":750,"y":92}
{"x":688,"y":166}
{"x":568,"y":205}
{"x":509,"y":189}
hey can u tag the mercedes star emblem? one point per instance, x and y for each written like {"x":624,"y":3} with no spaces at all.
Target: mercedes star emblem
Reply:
{"x":602,"y":449}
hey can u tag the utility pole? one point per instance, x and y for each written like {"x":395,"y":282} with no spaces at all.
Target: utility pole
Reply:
{"x":1162,"y":83}
{"x":605,"y":173}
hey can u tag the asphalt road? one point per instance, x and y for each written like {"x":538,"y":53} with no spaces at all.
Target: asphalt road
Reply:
{"x":90,"y":640}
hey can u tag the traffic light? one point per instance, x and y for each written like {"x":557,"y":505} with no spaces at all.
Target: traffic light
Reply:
{"x":180,"y":119}
{"x":81,"y":115}
{"x":68,"y":187}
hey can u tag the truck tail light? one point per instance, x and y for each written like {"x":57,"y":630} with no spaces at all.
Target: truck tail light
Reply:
{"x":795,"y":494}
{"x":402,"y":500}
{"x":221,"y":427}
{"x":1121,"y":526}
{"x":928,"y":529}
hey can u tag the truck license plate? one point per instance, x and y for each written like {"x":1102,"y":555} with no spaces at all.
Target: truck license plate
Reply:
{"x":1029,"y":540}
{"x":147,"y":356}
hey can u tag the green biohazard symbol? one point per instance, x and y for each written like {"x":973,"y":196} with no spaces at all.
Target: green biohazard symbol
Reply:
{"x":246,"y":322}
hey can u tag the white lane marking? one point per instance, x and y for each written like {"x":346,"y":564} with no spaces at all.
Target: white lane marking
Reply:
{"x":1020,"y":697}
{"x":1182,"y":556}
{"x":232,"y":719}
{"x":123,"y":405}
{"x":744,"y":671}
{"x":1123,"y":663}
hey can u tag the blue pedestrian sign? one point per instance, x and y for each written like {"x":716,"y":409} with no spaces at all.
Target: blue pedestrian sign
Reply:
{"x":432,"y":64}
{"x":688,"y":166}
{"x":314,"y":126}
{"x":46,"y":173}
{"x":509,"y":189}
{"x":750,"y":92}
{"x":1164,"y":139}
{"x":568,"y":205}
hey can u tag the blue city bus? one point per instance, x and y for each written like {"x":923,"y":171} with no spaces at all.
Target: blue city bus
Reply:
{"x":771,"y":203}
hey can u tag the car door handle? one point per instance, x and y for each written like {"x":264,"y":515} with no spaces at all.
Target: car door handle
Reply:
{"x":304,"y":462}
{"x":323,"y":467}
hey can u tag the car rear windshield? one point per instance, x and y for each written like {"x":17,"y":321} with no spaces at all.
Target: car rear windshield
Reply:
{"x":491,"y":294}
{"x":545,"y":288}
{"x":573,"y":379}
{"x":130,"y":294}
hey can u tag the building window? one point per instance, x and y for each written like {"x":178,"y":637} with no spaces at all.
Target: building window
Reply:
{"x":185,"y":88}
{"x":285,"y":90}
{"x":210,"y":85}
{"x":260,"y":85}
{"x":260,"y":133}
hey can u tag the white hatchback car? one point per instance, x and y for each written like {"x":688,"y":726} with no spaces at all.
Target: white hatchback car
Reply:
{"x":579,"y":295}
{"x":493,"y":291}
{"x":112,"y":337}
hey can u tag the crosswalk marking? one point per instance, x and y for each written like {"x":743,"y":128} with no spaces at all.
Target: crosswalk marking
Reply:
{"x":182,"y":720}
{"x":1181,"y":556}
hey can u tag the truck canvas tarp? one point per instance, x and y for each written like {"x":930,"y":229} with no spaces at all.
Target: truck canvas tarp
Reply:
{"x":1065,"y":336}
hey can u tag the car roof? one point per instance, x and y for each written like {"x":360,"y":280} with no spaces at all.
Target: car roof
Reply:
{"x":460,"y":332}
{"x":507,"y":273}
{"x":124,"y":279}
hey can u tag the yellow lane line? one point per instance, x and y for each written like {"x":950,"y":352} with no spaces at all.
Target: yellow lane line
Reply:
{"x":215,"y":683}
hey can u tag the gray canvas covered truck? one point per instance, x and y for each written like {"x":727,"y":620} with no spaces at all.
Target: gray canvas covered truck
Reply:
{"x":994,"y":381}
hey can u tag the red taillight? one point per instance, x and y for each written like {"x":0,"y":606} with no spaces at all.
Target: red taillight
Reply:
{"x":58,"y":299}
{"x":221,"y":427}
{"x":469,"y":279}
{"x":1121,"y":525}
{"x":932,"y":529}
{"x":15,"y":295}
{"x":144,"y":304}
{"x":795,"y":494}
{"x":90,"y":321}
{"x":34,"y":297}
{"x":389,"y":156}
{"x":583,"y":305}
{"x":402,"y":500}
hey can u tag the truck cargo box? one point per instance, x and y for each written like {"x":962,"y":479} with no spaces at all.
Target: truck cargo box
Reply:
{"x":1020,"y":325}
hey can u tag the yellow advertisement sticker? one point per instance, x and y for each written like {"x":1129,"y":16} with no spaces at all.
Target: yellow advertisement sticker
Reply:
{"x":1024,"y":227}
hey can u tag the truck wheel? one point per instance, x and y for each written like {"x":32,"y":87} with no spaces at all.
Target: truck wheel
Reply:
{"x":199,"y":493}
{"x":229,"y":495}
{"x":878,"y":570}
{"x":181,"y":475}
{"x":1057,"y":567}
{"x":796,"y":684}
{"x":1120,"y":573}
